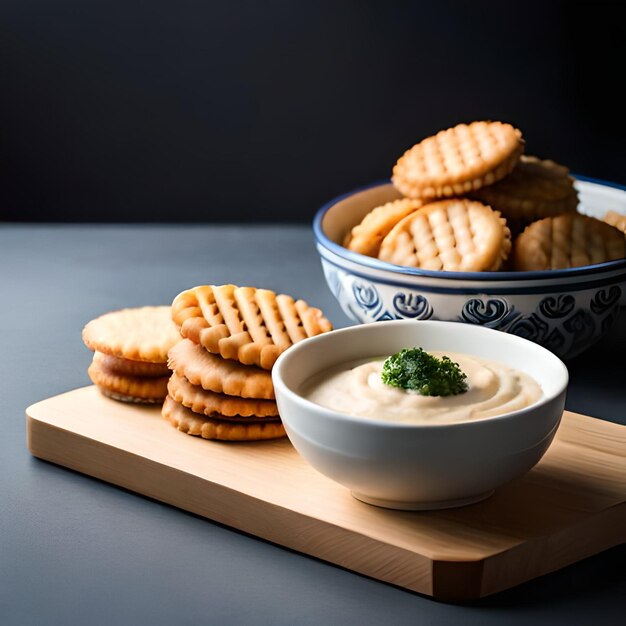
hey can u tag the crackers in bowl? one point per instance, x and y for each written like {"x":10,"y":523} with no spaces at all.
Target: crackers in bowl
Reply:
{"x":471,"y":197}
{"x":452,"y":235}
{"x":569,"y":240}
{"x":533,"y":190}
{"x":458,"y":160}
{"x":367,"y":236}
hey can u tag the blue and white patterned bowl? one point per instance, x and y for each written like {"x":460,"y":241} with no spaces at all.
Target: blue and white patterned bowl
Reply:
{"x":565,"y":311}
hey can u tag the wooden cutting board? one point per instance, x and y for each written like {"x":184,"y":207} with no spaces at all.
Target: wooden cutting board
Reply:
{"x":570,"y":506}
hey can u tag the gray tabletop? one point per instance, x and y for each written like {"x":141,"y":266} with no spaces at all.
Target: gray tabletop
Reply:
{"x":74,"y":550}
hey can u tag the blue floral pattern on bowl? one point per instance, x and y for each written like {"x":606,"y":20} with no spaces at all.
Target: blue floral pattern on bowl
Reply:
{"x":566,"y":323}
{"x":411,"y":306}
{"x":490,"y":312}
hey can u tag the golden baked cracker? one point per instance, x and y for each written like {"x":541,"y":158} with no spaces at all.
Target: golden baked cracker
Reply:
{"x":615,"y":219}
{"x":452,"y":235}
{"x":191,"y":423}
{"x":366,"y":237}
{"x":458,"y":160}
{"x":246,"y":324}
{"x":569,"y":240}
{"x":140,"y":334}
{"x":209,"y":403}
{"x":533,"y":190}
{"x":135,"y":388}
{"x":213,"y":373}
{"x":127,"y":367}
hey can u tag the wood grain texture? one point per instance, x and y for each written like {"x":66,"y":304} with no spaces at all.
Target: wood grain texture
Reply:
{"x":570,"y":506}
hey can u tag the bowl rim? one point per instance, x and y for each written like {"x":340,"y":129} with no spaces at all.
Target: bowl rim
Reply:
{"x":281,"y":386}
{"x":377,"y":264}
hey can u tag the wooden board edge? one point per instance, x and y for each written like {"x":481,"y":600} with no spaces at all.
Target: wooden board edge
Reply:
{"x":544,"y":555}
{"x":243,"y":512}
{"x":465,"y":581}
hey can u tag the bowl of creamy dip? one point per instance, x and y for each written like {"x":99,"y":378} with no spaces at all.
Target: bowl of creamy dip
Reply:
{"x":397,"y":448}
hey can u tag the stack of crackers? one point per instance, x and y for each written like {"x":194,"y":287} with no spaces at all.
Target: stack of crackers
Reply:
{"x":221,"y":384}
{"x":130,"y":353}
{"x":207,"y":359}
{"x":472,"y":201}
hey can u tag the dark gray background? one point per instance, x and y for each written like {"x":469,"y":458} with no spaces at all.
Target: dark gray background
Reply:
{"x":168,"y":110}
{"x":74,"y":550}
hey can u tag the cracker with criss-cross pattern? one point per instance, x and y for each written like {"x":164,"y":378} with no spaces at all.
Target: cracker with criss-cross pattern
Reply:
{"x":451,"y":235}
{"x":366,"y":237}
{"x":246,"y":324}
{"x":191,"y":423}
{"x":533,"y":190}
{"x":458,"y":160}
{"x":564,"y":241}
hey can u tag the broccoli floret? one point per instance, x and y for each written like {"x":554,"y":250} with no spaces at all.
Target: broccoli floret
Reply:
{"x":415,"y":369}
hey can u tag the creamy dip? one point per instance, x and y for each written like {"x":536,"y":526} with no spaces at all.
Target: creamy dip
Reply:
{"x":494,"y":388}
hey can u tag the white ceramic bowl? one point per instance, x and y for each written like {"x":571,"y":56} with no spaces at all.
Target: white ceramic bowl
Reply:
{"x":416,"y":467}
{"x":566,"y":311}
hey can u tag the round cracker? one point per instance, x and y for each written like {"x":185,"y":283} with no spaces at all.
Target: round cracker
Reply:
{"x":458,"y":160}
{"x":366,"y":237}
{"x":533,"y":190}
{"x":139,"y":334}
{"x":127,"y":367}
{"x":564,"y":241}
{"x":128,"y":387}
{"x":209,"y":403}
{"x":618,"y":220}
{"x":246,"y":324}
{"x":213,"y":373}
{"x":191,"y":423}
{"x":450,"y":235}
